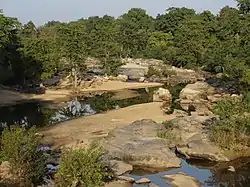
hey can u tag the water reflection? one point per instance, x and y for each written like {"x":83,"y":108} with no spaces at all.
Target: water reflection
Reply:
{"x":34,"y":113}
{"x":208,"y":174}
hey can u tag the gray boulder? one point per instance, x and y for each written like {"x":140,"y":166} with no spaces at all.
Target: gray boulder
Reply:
{"x":138,"y":145}
{"x":193,"y":138}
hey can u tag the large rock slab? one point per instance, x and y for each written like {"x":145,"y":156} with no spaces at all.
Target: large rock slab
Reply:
{"x":138,"y":145}
{"x":193,"y":138}
{"x":182,"y":180}
{"x":198,"y":149}
{"x":120,"y":167}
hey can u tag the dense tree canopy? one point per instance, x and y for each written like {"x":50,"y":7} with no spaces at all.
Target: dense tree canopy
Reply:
{"x":180,"y":36}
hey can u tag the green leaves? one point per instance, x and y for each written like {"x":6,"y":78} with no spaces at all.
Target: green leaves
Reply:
{"x":244,"y":6}
{"x":20,"y":148}
{"x":81,"y":167}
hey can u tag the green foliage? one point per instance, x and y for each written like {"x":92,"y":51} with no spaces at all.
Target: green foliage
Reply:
{"x":81,"y":167}
{"x":163,"y":71}
{"x":244,"y":6}
{"x":20,"y":148}
{"x":180,"y":37}
{"x":232,"y":131}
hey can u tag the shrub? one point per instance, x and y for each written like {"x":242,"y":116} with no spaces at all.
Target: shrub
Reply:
{"x":232,"y":130}
{"x":81,"y":167}
{"x":20,"y":148}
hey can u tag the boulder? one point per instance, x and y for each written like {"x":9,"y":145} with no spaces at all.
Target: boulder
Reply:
{"x":120,"y":167}
{"x":138,"y":145}
{"x":162,"y":95}
{"x":127,"y":179}
{"x":196,"y":91}
{"x":198,"y":149}
{"x":195,"y":98}
{"x":182,"y":180}
{"x":143,"y":181}
{"x":192,"y":138}
{"x":133,"y":71}
{"x":123,"y":78}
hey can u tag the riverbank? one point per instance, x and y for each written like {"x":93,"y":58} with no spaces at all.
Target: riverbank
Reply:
{"x":85,"y":129}
{"x":8,"y":97}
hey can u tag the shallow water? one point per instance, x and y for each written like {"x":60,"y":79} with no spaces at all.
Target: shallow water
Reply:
{"x":35,"y":113}
{"x":200,"y":174}
{"x":207,"y":174}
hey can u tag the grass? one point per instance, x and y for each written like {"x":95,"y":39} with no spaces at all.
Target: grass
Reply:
{"x":232,"y":130}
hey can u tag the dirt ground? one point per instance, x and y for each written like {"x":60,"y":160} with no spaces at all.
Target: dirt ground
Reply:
{"x":86,"y":129}
{"x":55,"y":96}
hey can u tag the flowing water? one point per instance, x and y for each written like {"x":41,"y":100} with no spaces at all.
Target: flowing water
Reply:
{"x":208,"y":174}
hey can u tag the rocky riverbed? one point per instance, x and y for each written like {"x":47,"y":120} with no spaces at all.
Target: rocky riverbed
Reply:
{"x":154,"y":137}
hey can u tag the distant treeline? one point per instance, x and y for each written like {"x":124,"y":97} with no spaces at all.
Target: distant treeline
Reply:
{"x":181,"y":37}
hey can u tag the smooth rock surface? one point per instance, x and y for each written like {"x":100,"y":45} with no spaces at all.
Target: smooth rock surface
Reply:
{"x":120,"y":167}
{"x":182,"y":180}
{"x":195,"y":91}
{"x":138,"y":145}
{"x":202,"y":150}
{"x":192,"y":138}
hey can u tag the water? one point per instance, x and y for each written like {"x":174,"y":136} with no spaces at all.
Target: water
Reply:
{"x":208,"y":174}
{"x":35,"y":113}
{"x":200,"y":174}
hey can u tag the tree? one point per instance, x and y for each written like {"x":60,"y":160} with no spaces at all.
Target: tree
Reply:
{"x":171,"y":20}
{"x":244,"y":6}
{"x":73,"y":49}
{"x":135,"y":27}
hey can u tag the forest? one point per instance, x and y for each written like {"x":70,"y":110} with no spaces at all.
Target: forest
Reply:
{"x":180,"y":37}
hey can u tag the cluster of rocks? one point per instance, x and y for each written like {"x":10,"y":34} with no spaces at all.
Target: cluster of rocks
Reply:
{"x":138,"y":145}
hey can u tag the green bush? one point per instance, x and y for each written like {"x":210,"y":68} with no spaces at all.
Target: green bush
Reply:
{"x":232,"y":130}
{"x":20,"y":148}
{"x":81,"y":167}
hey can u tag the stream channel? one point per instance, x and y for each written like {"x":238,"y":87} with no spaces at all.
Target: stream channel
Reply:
{"x":208,"y":174}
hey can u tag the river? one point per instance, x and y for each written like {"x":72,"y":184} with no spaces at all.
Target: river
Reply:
{"x":208,"y":174}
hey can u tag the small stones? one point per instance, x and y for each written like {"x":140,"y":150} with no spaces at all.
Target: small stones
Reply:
{"x":143,"y":181}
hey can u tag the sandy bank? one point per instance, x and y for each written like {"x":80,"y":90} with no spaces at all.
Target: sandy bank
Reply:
{"x":56,"y":96}
{"x":85,"y":129}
